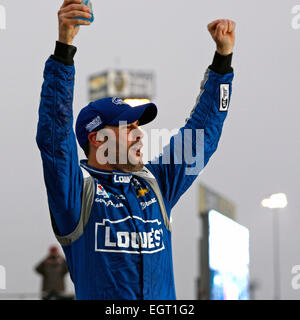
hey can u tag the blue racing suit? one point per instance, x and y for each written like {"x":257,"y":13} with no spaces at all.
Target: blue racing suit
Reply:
{"x":114,"y":227}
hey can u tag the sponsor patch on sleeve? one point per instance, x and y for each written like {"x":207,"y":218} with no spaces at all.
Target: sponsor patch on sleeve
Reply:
{"x":224,"y":97}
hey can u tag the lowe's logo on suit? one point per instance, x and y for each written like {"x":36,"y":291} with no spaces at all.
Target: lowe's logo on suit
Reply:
{"x":121,"y":179}
{"x":120,"y":236}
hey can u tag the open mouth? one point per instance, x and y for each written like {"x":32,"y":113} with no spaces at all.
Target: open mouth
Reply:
{"x":137,"y":149}
{"x":139,"y":153}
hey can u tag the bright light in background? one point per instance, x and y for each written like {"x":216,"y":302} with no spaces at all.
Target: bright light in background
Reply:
{"x":136,"y":102}
{"x":275,"y":201}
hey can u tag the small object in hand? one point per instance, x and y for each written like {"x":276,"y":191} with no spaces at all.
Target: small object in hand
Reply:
{"x":89,"y":4}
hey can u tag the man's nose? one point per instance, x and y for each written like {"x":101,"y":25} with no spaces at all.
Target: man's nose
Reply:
{"x":141,"y":133}
{"x":137,"y":134}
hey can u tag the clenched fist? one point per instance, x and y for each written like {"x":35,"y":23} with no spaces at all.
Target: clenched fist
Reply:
{"x":223,"y":33}
{"x":68,"y":26}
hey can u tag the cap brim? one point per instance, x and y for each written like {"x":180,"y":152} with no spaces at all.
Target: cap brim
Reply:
{"x":144,"y":113}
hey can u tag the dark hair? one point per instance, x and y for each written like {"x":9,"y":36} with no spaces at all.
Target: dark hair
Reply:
{"x":86,"y":149}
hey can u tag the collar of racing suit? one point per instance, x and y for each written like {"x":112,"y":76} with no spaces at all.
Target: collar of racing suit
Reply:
{"x":111,"y":177}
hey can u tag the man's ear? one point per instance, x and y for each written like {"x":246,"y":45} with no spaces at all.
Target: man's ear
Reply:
{"x":96,"y":139}
{"x":93,"y":140}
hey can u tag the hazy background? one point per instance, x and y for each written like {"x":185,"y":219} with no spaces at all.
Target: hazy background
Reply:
{"x":258,"y":152}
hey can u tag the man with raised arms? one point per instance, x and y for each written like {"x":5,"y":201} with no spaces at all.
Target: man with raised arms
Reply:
{"x":112,"y":218}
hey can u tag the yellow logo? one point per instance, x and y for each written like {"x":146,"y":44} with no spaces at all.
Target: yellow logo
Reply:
{"x":142,"y":192}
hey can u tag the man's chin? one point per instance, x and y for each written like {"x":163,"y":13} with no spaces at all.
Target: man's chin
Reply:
{"x":135,"y":162}
{"x":136,"y":167}
{"x":131,"y":167}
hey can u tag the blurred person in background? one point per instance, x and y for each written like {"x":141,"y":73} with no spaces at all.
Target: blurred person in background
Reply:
{"x":113,"y":220}
{"x":53,"y":270}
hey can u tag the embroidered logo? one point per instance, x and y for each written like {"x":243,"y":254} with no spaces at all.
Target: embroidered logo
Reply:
{"x":142,"y":192}
{"x":224,"y":97}
{"x":121,"y":179}
{"x":108,"y":203}
{"x":146,"y":204}
{"x":120,"y":236}
{"x":117,"y":101}
{"x":101,"y":191}
{"x":139,"y":189}
{"x":93,"y":124}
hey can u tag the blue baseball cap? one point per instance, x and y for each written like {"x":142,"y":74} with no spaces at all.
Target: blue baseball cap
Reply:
{"x":108,"y":112}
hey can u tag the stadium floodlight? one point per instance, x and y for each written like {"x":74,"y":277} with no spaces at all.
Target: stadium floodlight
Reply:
{"x":136,"y":102}
{"x":275,"y":201}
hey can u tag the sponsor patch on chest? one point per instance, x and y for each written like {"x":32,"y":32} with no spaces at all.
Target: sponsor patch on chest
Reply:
{"x":122,"y":236}
{"x":100,"y":191}
{"x":121,"y":179}
{"x":145,"y":204}
{"x":107,"y":198}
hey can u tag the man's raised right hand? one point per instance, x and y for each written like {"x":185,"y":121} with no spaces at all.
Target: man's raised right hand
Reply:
{"x":68,"y":26}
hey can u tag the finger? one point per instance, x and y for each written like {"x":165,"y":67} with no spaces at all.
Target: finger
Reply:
{"x":67,"y":2}
{"x":223,"y":27}
{"x":226,"y":24}
{"x":220,"y":30}
{"x":211,"y":26}
{"x":71,"y":22}
{"x":231,"y":26}
{"x":71,"y":7}
{"x":76,"y":13}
